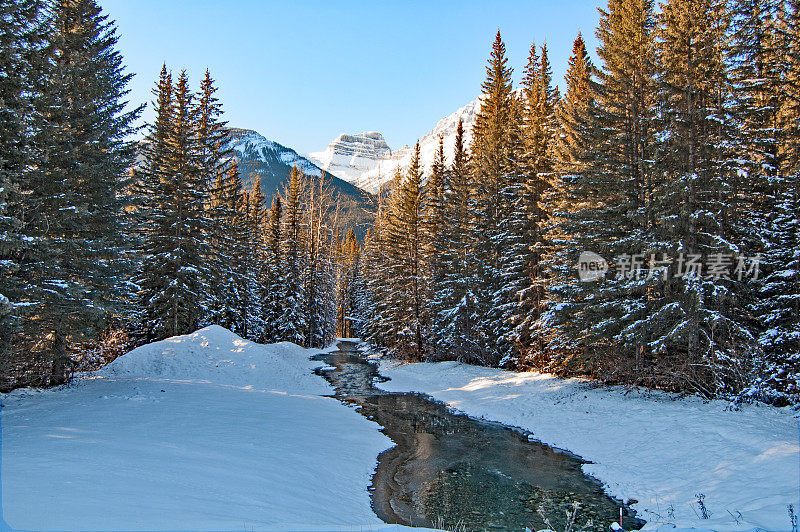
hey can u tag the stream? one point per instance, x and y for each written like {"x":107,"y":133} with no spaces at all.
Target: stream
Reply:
{"x":450,"y":471}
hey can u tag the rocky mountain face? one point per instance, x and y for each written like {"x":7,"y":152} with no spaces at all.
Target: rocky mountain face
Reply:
{"x":270,"y":164}
{"x":365,"y":160}
{"x":351,"y":156}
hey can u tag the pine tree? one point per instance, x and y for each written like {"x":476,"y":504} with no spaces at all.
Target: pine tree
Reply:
{"x":273,"y":281}
{"x":214,"y":158}
{"x":522,"y":269}
{"x":492,"y":161}
{"x":292,"y":324}
{"x":694,"y":318}
{"x":21,"y":35}
{"x":81,"y":152}
{"x":612,"y":197}
{"x":454,"y":300}
{"x":170,"y":278}
{"x":407,"y":312}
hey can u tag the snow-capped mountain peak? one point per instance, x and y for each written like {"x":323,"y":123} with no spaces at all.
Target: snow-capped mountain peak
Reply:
{"x":367,"y":161}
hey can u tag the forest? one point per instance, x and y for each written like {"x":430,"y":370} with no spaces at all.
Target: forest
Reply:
{"x":674,"y":156}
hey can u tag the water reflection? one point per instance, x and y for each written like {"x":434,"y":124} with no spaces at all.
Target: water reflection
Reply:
{"x":448,"y":470}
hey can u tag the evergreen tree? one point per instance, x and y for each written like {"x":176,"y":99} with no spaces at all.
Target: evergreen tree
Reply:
{"x":349,"y":287}
{"x":454,"y":299}
{"x":433,"y":223}
{"x":273,"y":281}
{"x":492,"y":158}
{"x":574,"y":196}
{"x":376,"y":307}
{"x":170,"y":279}
{"x":778,"y":301}
{"x":575,"y":111}
{"x":224,"y":206}
{"x":152,"y":195}
{"x":404,"y":248}
{"x":247,"y":256}
{"x":292,"y":324}
{"x":80,"y":156}
{"x":522,"y":269}
{"x":319,"y":274}
{"x":185,"y":294}
{"x":612,"y":196}
{"x":21,"y":35}
{"x":694,"y":315}
{"x":213,"y":159}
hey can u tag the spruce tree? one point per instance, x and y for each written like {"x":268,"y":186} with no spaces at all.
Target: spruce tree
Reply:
{"x":778,"y":303}
{"x":273,"y":280}
{"x":81,"y":153}
{"x":152,"y":205}
{"x":694,"y":320}
{"x":214,"y":158}
{"x":612,"y":195}
{"x":407,"y":311}
{"x":292,"y":324}
{"x":432,"y":228}
{"x":170,"y":277}
{"x":573,"y":198}
{"x":318,"y":275}
{"x":375,"y":310}
{"x":21,"y":35}
{"x":492,"y":160}
{"x":454,"y":299}
{"x":575,"y":110}
{"x":187,"y":218}
{"x":349,"y":287}
{"x":522,"y":269}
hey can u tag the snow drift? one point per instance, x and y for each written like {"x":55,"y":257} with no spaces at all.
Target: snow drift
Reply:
{"x":199,"y":432}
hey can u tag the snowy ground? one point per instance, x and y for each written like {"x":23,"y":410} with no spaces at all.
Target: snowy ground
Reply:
{"x":200,"y":432}
{"x":648,"y":446}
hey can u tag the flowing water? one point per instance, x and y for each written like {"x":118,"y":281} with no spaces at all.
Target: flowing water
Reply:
{"x":450,"y":471}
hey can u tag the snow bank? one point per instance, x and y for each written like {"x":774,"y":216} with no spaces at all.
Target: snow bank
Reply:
{"x":199,"y":432}
{"x":648,"y":446}
{"x":215,"y":355}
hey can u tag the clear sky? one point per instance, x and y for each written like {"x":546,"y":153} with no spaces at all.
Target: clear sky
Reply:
{"x":301,"y":72}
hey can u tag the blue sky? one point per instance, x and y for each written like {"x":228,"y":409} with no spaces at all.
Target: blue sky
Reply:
{"x":301,"y":72}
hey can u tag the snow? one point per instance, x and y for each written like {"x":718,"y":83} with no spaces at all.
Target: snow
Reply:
{"x":199,"y":432}
{"x":248,"y":143}
{"x":370,"y":170}
{"x":654,"y":447}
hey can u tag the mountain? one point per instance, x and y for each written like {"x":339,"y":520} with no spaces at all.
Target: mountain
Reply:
{"x":351,"y":156}
{"x":366,"y":160}
{"x":270,"y":164}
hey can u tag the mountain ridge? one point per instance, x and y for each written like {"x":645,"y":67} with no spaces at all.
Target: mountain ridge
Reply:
{"x":354,"y":163}
{"x":270,"y":164}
